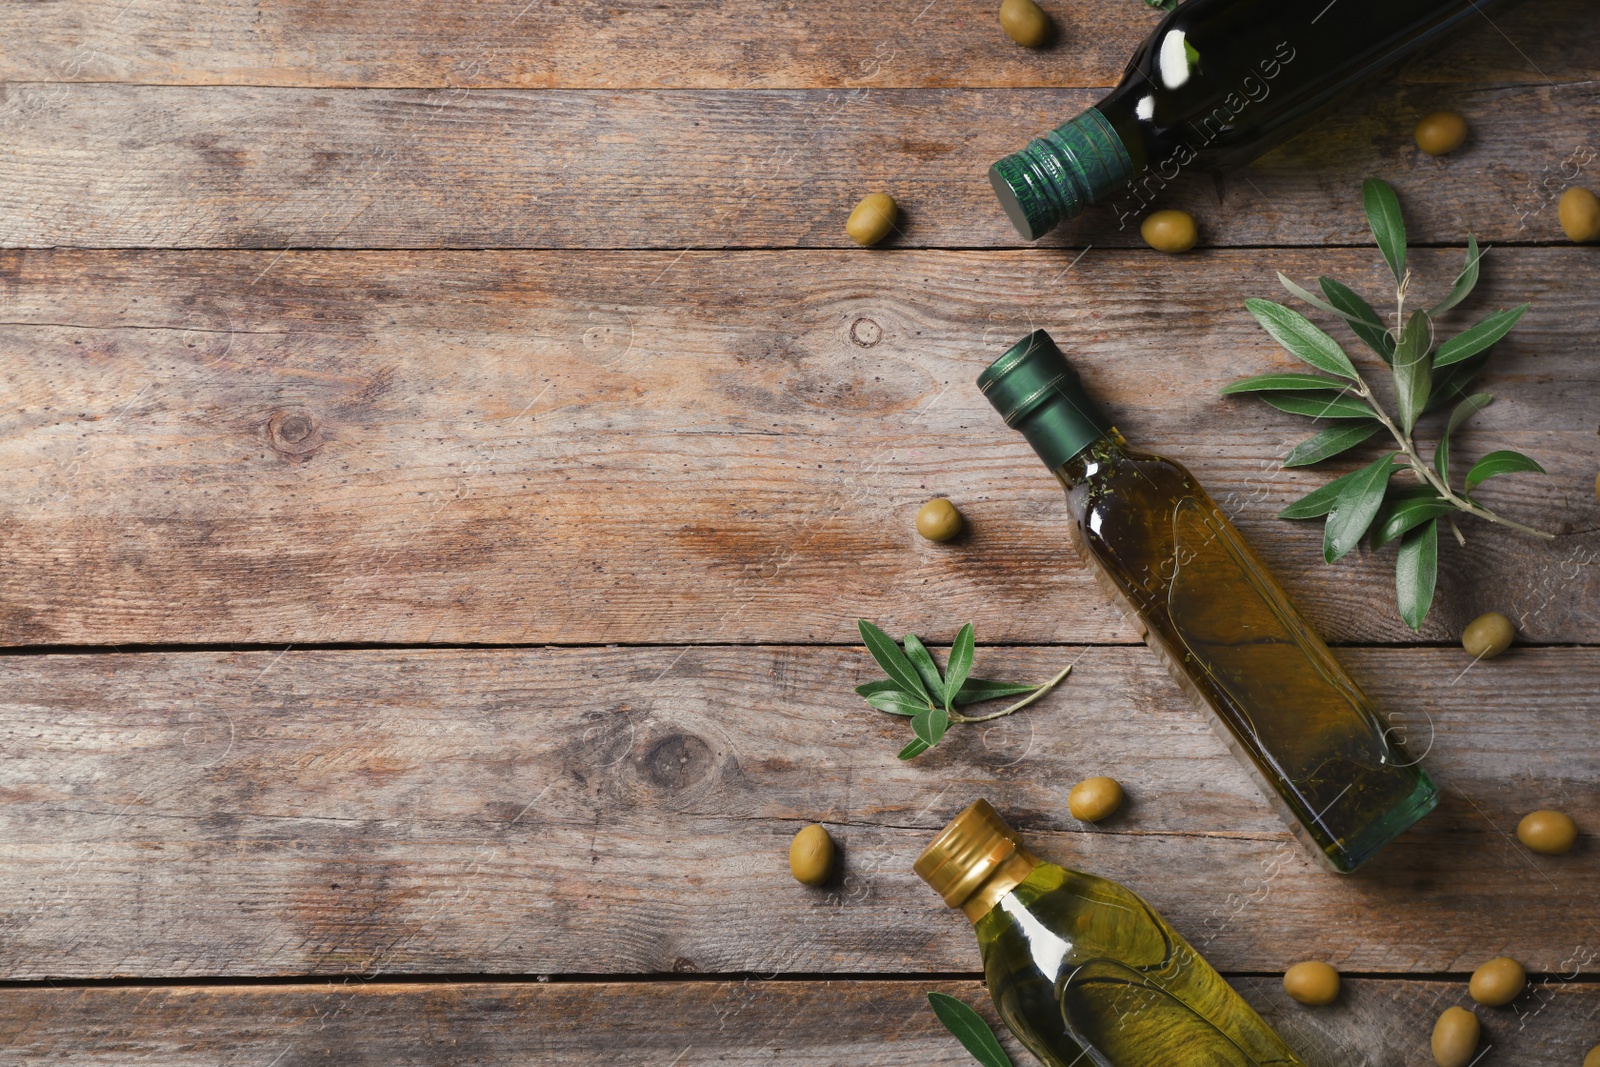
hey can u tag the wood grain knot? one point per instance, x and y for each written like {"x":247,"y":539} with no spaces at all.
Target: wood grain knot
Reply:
{"x":678,"y":761}
{"x":865,"y":333}
{"x":294,"y":433}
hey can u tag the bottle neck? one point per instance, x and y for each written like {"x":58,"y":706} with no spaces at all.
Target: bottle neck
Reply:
{"x":1064,"y":427}
{"x":1011,"y":872}
{"x":1038,"y":393}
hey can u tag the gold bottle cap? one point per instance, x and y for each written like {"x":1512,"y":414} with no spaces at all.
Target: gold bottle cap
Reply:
{"x":975,"y":860}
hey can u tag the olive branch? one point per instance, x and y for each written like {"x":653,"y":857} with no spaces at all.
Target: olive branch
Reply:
{"x":1425,"y":378}
{"x":917,"y":689}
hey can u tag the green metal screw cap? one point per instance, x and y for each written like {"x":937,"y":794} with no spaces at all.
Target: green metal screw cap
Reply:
{"x":1037,"y":392}
{"x":1079,"y":163}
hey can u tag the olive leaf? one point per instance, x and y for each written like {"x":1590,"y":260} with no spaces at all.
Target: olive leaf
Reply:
{"x":1271,"y":382}
{"x":1427,"y":376}
{"x":1388,"y":226}
{"x":959,"y":665}
{"x":1405,"y":511}
{"x":1301,"y":337}
{"x":1360,"y":317}
{"x":977,"y":690}
{"x":915,"y":747}
{"x":1296,"y":289}
{"x":1319,"y":405}
{"x":1319,"y":502}
{"x":1356,"y":313}
{"x":1357,"y":505}
{"x":1329,"y":443}
{"x":897,"y":703}
{"x":970,"y":1029}
{"x":891,"y":659}
{"x":929,"y":725}
{"x":916,"y":689}
{"x":1416,"y":571}
{"x":1464,"y":411}
{"x":1497,"y":463}
{"x":926,"y":669}
{"x":1479,"y":337}
{"x":1413,"y":374}
{"x":1465,"y":282}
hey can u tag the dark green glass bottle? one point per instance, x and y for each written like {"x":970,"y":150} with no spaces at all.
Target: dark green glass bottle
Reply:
{"x":1219,"y":621}
{"x":1218,"y":83}
{"x":1081,"y":969}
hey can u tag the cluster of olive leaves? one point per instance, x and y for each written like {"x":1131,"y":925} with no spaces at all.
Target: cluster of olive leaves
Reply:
{"x":915,"y":687}
{"x":1426,"y":378}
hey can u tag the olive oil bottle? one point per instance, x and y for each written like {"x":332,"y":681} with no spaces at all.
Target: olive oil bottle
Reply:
{"x":1082,"y":970}
{"x":1219,"y":621}
{"x":1215,"y":85}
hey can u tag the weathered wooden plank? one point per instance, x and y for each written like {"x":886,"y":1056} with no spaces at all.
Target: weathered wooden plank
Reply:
{"x":629,"y":810}
{"x":572,"y":448}
{"x":1378,"y":1023}
{"x":127,"y":166}
{"x":678,"y":44}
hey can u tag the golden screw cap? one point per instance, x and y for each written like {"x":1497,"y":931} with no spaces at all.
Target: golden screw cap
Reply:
{"x":975,"y":860}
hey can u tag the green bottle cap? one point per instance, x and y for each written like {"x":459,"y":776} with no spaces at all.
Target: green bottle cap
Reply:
{"x":1036,"y":391}
{"x":1078,"y":163}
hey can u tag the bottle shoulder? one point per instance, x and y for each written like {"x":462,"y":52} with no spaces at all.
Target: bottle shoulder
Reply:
{"x":1119,"y":479}
{"x":1057,"y":919}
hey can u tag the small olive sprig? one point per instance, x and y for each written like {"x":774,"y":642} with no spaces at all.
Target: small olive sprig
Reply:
{"x":1425,"y":378}
{"x":915,"y":687}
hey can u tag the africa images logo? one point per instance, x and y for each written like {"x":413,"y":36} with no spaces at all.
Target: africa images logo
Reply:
{"x":1252,"y":90}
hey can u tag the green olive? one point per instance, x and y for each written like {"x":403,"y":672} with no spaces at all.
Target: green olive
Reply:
{"x":1487,"y":636}
{"x":1024,"y":22}
{"x":1550,"y":832}
{"x":1593,"y":1058}
{"x":1498,"y":982}
{"x":872,"y":219}
{"x":938,"y":520}
{"x":1169,"y":231}
{"x":811,"y":855}
{"x":1094,"y":798}
{"x":1312,"y":982}
{"x":1441,"y":132}
{"x":1579,"y":212}
{"x":1455,"y":1038}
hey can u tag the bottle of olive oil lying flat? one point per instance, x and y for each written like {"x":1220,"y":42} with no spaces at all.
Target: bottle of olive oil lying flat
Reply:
{"x":1218,"y":83}
{"x":1081,"y":969}
{"x":1219,"y":621}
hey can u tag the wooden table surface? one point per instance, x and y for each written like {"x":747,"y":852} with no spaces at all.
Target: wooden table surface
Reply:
{"x":446,"y":447}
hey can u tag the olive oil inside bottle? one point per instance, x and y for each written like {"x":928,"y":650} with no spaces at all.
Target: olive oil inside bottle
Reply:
{"x":1227,"y":631}
{"x":1125,"y":985}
